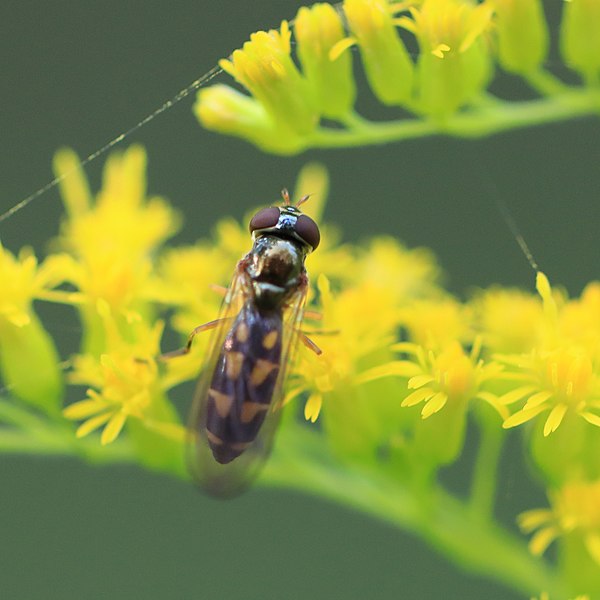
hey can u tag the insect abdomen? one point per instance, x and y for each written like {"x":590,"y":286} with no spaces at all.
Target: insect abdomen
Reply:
{"x":242,"y":386}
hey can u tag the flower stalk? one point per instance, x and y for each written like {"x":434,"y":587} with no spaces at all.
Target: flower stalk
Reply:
{"x":442,"y":90}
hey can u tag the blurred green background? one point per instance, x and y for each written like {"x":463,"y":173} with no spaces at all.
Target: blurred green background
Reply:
{"x":79,"y":73}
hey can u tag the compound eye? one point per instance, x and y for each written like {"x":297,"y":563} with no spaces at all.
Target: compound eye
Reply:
{"x":308,"y":230}
{"x":265,"y":218}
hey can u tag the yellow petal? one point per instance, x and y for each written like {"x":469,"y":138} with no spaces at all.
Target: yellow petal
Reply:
{"x":592,"y":543}
{"x":340,"y":47}
{"x":517,"y":394}
{"x":555,"y":418}
{"x":522,"y":416}
{"x":591,"y":418}
{"x":92,"y":424}
{"x":84,"y":409}
{"x":542,"y":539}
{"x":537,"y":399}
{"x":112,"y":430}
{"x":417,"y":396}
{"x":532,"y":519}
{"x":312,"y":407}
{"x":419,"y":381}
{"x":434,"y":405}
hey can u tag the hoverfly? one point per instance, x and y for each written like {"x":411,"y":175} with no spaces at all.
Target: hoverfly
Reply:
{"x":236,"y":407}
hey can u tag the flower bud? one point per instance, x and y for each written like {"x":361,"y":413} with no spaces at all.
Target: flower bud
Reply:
{"x":580,"y":37}
{"x":317,"y":30}
{"x":221,"y":108}
{"x":387,"y":64}
{"x":522,"y":35}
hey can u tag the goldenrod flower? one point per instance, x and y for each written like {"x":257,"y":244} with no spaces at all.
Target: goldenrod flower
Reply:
{"x":126,"y":377}
{"x":575,"y":512}
{"x":509,"y":321}
{"x":561,"y":381}
{"x":454,"y":63}
{"x":387,"y":64}
{"x":111,"y":242}
{"x":446,"y":376}
{"x":24,"y":343}
{"x":437,"y":322}
{"x":579,"y":320}
{"x":317,"y":30}
{"x":264,"y":67}
{"x":522,"y":34}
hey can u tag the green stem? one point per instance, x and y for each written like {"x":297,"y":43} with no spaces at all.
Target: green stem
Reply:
{"x":30,"y":433}
{"x":445,"y":522}
{"x":473,"y":123}
{"x":547,"y":84}
{"x":485,"y":475}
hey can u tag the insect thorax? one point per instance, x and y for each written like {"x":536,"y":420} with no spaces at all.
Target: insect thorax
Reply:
{"x":274,"y":266}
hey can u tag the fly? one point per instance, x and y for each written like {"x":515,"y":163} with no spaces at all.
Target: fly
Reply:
{"x":236,"y":407}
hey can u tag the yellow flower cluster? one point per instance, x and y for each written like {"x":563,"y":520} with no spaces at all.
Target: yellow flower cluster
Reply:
{"x":404,"y":363}
{"x":296,"y":89}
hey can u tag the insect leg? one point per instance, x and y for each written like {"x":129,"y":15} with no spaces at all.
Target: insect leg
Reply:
{"x":313,"y":315}
{"x":309,"y":343}
{"x":219,"y":289}
{"x":186,"y":349}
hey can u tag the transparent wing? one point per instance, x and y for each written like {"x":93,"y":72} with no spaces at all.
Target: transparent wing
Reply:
{"x":227,"y":479}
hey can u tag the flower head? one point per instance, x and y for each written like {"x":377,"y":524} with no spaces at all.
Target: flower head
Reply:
{"x":556,"y":382}
{"x":318,"y":29}
{"x":385,"y":58}
{"x":448,"y":375}
{"x":23,"y":340}
{"x":126,"y":377}
{"x":111,"y":243}
{"x":454,"y":63}
{"x":575,"y":511}
{"x":265,"y":68}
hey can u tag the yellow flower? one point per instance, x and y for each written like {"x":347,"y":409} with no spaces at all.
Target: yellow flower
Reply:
{"x":561,"y":381}
{"x":126,"y":376}
{"x":111,"y":243}
{"x":454,"y":62}
{"x":436,"y":323}
{"x":352,"y":340}
{"x":23,"y":340}
{"x":22,"y":281}
{"x":387,"y":64}
{"x":449,"y":375}
{"x":317,"y":30}
{"x":265,"y":67}
{"x":510,"y":321}
{"x":579,"y":320}
{"x":406,"y":274}
{"x":575,"y":511}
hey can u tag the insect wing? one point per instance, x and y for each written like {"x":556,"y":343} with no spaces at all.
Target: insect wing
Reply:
{"x":228,"y":444}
